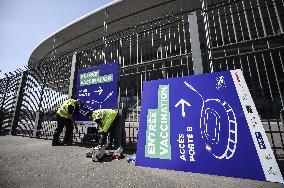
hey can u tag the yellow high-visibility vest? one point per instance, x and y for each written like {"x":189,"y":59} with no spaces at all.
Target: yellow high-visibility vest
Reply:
{"x":63,"y":109}
{"x":106,"y":115}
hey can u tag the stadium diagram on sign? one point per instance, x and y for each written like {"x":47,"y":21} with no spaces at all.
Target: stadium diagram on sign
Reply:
{"x":217,"y":118}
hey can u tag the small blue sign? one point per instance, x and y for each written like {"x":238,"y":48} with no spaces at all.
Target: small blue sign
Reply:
{"x":205,"y":124}
{"x":260,"y":140}
{"x":97,"y":87}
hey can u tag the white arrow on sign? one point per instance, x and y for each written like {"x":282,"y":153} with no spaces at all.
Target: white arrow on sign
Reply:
{"x":182,"y":102}
{"x":99,"y":91}
{"x":109,"y":95}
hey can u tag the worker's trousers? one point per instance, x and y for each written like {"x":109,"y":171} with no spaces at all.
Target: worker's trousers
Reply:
{"x":68,"y":137}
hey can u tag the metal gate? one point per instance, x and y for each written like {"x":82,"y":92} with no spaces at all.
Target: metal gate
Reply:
{"x":232,"y":33}
{"x":248,"y":35}
{"x":9,"y":90}
{"x":158,"y":48}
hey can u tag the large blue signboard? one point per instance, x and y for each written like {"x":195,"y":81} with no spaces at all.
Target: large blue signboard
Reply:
{"x":205,"y":124}
{"x":97,"y":86}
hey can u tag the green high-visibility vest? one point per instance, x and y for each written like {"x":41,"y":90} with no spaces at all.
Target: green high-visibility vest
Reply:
{"x":63,"y":109}
{"x":106,"y":115}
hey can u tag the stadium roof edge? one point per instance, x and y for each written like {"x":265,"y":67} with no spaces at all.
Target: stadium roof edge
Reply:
{"x":79,"y":19}
{"x":120,"y":13}
{"x":74,"y":22}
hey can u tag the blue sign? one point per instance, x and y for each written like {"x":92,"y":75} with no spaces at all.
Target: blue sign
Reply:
{"x":205,"y":124}
{"x":98,"y":87}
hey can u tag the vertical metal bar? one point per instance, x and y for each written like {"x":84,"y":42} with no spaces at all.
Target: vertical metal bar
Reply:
{"x":170,"y":46}
{"x":137,"y":101}
{"x":258,"y":73}
{"x":271,"y":23}
{"x":261,"y":17}
{"x":133,"y":115}
{"x":239,"y":19}
{"x":233,"y":22}
{"x":250,"y":74}
{"x":276,"y":76}
{"x":187,"y":66}
{"x":141,"y":45}
{"x":223,"y":40}
{"x":195,"y":43}
{"x":179,"y":40}
{"x":38,"y":119}
{"x":278,"y":17}
{"x":226,"y":23}
{"x":207,"y":33}
{"x":215,"y":28}
{"x":229,"y":38}
{"x":141,"y":83}
{"x":184,"y":38}
{"x":267,"y":77}
{"x":220,"y":23}
{"x":254,"y":20}
{"x":272,"y":137}
{"x":130,"y":47}
{"x":278,"y":126}
{"x":137,"y":49}
{"x":281,"y":60}
{"x":246,"y":17}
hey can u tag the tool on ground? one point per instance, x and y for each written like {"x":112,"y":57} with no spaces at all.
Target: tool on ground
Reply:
{"x":117,"y":154}
{"x":98,"y":153}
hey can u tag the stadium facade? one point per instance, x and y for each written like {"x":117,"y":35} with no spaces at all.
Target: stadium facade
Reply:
{"x":152,"y":40}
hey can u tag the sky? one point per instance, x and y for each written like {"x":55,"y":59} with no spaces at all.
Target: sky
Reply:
{"x":24,"y":24}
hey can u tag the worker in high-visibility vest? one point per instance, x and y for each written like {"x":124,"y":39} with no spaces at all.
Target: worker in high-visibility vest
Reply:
{"x":106,"y":120}
{"x":64,"y":118}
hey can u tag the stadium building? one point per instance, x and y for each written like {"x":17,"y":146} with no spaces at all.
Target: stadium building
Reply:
{"x":152,"y":40}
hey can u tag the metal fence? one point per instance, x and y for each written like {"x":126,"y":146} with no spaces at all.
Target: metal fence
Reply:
{"x":9,"y":87}
{"x":233,"y":34}
{"x":248,"y":35}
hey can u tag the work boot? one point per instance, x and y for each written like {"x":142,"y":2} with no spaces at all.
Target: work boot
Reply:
{"x":68,"y":144}
{"x":56,"y":143}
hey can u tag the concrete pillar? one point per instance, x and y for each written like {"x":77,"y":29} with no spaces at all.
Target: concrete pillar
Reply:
{"x":195,"y":43}
{"x":73,"y":77}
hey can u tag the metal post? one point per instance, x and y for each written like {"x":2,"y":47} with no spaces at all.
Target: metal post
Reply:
{"x":195,"y":43}
{"x":2,"y":115}
{"x":37,"y":124}
{"x":282,"y":117}
{"x":20,"y":95}
{"x":162,"y":50}
{"x":73,"y":76}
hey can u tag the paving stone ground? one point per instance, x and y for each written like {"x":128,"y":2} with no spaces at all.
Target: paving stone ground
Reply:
{"x":30,"y":162}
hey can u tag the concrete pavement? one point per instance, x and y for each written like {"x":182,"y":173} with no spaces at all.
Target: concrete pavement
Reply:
{"x":30,"y":162}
